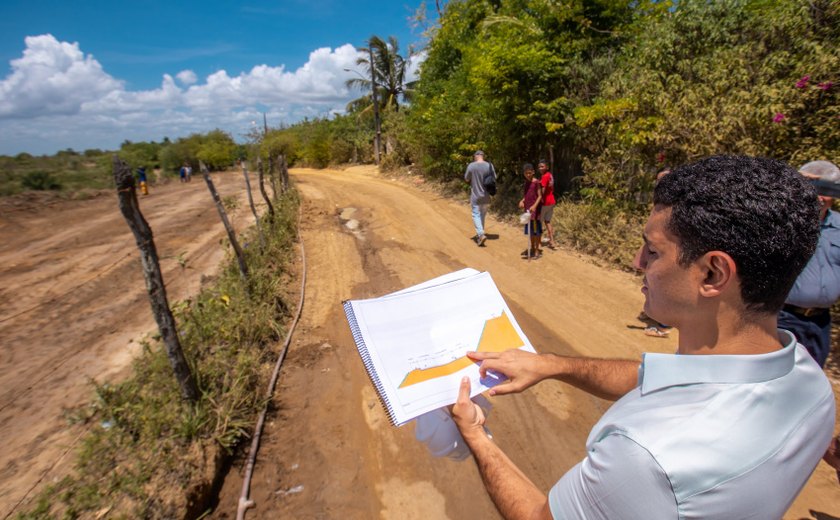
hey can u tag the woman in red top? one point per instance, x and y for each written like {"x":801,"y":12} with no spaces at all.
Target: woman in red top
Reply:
{"x":531,"y":201}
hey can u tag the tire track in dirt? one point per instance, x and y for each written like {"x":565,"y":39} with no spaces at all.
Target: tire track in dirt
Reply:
{"x":74,"y":290}
{"x":328,"y":450}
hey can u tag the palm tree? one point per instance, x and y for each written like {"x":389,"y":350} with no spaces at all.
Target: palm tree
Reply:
{"x":389,"y":71}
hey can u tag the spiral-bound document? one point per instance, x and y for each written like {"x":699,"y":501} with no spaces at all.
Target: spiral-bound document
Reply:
{"x":413,"y":343}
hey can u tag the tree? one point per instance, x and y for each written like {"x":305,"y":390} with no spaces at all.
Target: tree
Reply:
{"x":389,"y":71}
{"x":217,"y":150}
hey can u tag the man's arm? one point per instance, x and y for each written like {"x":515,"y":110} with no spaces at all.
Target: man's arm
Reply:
{"x":604,"y":378}
{"x":515,"y":496}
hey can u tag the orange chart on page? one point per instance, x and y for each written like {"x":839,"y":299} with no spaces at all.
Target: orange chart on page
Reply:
{"x":497,"y":335}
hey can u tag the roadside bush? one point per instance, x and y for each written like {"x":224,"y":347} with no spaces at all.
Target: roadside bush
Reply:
{"x":611,"y":236}
{"x":40,"y":181}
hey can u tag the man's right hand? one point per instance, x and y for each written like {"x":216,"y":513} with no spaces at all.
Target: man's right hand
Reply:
{"x":523,"y":369}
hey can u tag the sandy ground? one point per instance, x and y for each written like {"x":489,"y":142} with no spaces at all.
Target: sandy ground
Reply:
{"x":328,"y":450}
{"x":73,"y":307}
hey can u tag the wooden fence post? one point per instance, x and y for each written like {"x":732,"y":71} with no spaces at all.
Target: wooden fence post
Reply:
{"x":130,"y":209}
{"x":251,"y":203}
{"x":262,"y":189}
{"x":240,"y":257}
{"x":272,"y":177}
{"x":284,"y":171}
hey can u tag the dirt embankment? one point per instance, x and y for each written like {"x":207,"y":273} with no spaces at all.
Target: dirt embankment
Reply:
{"x":74,"y":308}
{"x":329,"y":451}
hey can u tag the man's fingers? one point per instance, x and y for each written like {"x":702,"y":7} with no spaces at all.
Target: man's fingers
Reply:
{"x":503,"y":388}
{"x":464,"y":391}
{"x":479,"y":356}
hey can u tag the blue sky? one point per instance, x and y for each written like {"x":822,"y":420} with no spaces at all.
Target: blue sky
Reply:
{"x":91,"y":74}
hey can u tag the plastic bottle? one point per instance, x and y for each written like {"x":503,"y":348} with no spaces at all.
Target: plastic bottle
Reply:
{"x":437,"y":430}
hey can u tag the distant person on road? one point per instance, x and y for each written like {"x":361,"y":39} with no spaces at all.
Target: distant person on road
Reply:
{"x":548,"y":201}
{"x":733,"y":425}
{"x":183,"y":173}
{"x":141,"y":177}
{"x":807,"y":310}
{"x":188,"y":172}
{"x":531,"y":202}
{"x":477,"y":175}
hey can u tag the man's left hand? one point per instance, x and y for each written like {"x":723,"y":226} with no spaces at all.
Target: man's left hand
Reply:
{"x":468,"y":416}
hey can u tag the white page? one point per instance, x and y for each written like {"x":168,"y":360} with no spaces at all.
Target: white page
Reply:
{"x":440,"y":280}
{"x":411,"y":337}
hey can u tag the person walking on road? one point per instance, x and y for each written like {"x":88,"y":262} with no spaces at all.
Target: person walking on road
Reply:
{"x":141,"y":177}
{"x":733,"y":425}
{"x":479,"y":172}
{"x":548,"y":201}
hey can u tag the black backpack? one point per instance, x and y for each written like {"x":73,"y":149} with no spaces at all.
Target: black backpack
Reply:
{"x":490,"y":181}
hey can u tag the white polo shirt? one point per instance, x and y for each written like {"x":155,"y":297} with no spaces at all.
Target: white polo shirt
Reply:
{"x":707,"y":436}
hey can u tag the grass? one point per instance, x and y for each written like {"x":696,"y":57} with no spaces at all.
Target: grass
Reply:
{"x":146,"y":448}
{"x":610,"y":236}
{"x":62,"y":172}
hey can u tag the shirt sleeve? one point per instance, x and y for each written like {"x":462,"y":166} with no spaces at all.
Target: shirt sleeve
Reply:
{"x":617,"y":479}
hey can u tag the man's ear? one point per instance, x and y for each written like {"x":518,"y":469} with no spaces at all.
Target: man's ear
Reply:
{"x":720,"y":273}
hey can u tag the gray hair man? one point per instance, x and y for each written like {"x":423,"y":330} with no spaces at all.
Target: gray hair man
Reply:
{"x":478,"y":173}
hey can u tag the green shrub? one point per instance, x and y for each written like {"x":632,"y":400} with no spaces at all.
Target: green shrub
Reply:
{"x":39,"y":180}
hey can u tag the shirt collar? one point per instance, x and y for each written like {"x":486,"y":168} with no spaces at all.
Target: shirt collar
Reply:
{"x":832,"y":219}
{"x":660,"y":371}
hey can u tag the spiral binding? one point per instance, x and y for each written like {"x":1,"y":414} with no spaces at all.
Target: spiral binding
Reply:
{"x":363,"y":352}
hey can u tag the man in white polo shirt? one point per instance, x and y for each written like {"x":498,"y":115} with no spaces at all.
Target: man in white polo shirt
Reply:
{"x":732,"y":425}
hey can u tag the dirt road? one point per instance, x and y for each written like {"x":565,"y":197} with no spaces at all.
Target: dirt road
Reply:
{"x":329,"y":451}
{"x":73,"y":307}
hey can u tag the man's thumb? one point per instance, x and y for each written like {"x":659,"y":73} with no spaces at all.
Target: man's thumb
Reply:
{"x":464,"y":391}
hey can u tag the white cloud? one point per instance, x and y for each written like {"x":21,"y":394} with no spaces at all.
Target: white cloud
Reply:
{"x":187,"y":77}
{"x":52,"y":77}
{"x":54,"y":87}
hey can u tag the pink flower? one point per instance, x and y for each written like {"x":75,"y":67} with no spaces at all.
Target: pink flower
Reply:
{"x":803,"y":81}
{"x":825,"y":85}
{"x":779,"y":117}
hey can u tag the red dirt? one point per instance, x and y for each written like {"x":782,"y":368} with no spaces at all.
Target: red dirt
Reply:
{"x":328,"y":449}
{"x":74,"y":307}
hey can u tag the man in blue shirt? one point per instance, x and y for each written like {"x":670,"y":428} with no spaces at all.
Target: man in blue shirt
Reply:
{"x":732,"y":425}
{"x":807,"y":309}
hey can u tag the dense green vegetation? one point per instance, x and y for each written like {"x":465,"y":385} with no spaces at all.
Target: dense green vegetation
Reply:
{"x":619,"y":90}
{"x":612,"y":90}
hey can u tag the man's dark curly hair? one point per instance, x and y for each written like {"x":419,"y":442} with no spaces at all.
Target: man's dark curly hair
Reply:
{"x":760,"y":211}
